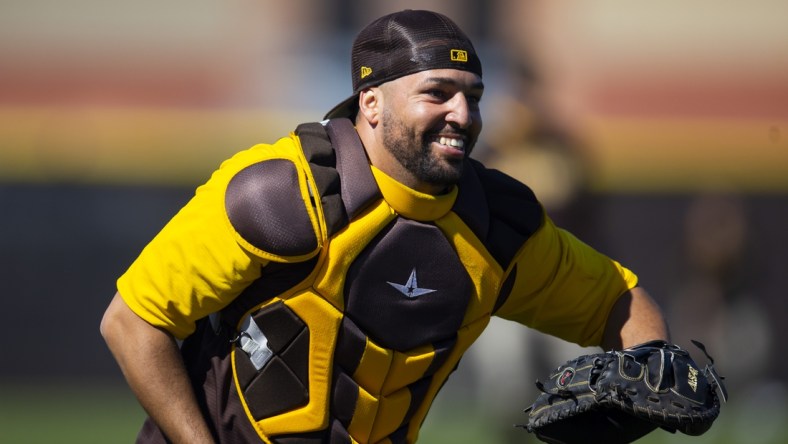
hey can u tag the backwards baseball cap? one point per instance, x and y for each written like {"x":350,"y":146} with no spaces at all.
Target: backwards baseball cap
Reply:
{"x":403,"y":43}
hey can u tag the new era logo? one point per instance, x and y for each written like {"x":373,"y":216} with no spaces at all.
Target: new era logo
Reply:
{"x":365,"y":71}
{"x":459,"y":55}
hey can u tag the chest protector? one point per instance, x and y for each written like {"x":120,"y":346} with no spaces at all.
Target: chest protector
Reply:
{"x":361,"y":313}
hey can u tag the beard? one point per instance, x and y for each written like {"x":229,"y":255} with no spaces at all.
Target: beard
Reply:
{"x":412,"y":150}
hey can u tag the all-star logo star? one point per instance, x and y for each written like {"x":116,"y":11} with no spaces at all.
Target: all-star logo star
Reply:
{"x":411,"y":288}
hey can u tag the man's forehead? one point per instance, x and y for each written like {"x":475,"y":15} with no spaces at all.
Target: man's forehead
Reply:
{"x":457,"y":77}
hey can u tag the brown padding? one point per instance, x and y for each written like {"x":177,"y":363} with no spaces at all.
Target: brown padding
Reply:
{"x":397,"y":320}
{"x":296,"y":356}
{"x":279,"y":324}
{"x":282,"y":384}
{"x":471,"y":203}
{"x":339,"y":434}
{"x":264,"y":205}
{"x":418,"y":391}
{"x":442,"y":350}
{"x":358,"y":184}
{"x":275,"y":390}
{"x":515,"y":213}
{"x":275,"y":278}
{"x":322,"y":162}
{"x":300,"y":438}
{"x":350,"y":346}
{"x":344,"y":398}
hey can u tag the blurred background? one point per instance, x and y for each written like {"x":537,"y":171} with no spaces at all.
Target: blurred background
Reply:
{"x":655,"y":131}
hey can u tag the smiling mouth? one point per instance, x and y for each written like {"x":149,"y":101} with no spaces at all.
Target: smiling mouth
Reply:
{"x":452,"y":142}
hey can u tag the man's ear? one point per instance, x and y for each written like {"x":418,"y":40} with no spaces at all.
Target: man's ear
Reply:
{"x":369,"y":105}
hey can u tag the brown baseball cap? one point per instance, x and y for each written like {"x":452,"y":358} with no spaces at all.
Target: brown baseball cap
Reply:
{"x":403,"y":43}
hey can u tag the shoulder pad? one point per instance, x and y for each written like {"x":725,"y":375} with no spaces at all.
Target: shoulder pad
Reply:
{"x":268,"y":213}
{"x":503,"y":212}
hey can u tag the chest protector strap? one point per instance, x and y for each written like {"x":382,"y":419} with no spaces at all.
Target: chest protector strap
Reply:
{"x":345,"y":186}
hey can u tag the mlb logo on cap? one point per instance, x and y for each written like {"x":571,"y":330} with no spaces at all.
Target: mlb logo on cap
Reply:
{"x":459,"y":55}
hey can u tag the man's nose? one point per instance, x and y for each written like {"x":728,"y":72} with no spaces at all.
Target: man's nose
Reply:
{"x":459,"y":111}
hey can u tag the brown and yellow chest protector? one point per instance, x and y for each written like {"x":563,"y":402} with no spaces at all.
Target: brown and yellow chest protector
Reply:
{"x":351,"y":336}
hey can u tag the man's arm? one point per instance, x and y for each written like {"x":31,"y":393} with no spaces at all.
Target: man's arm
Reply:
{"x":151,"y":362}
{"x":634,"y":319}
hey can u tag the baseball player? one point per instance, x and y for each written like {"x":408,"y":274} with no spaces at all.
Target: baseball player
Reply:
{"x":325,"y":286}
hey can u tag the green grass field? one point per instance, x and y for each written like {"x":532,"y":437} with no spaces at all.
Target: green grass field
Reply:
{"x":68,"y":415}
{"x":109,"y":414}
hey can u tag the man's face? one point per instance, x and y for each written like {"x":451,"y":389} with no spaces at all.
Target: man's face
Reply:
{"x":431,"y":121}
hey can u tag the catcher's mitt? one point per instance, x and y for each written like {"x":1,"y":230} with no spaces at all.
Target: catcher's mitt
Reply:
{"x":619,"y":396}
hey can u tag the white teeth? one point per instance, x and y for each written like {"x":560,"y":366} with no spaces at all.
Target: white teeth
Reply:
{"x":457,"y":143}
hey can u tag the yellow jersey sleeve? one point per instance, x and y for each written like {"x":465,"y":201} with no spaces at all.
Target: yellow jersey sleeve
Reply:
{"x":563,"y":287}
{"x":195,"y":265}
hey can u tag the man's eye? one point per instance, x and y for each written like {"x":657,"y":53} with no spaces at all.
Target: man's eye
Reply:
{"x":473,"y":100}
{"x":438,"y":94}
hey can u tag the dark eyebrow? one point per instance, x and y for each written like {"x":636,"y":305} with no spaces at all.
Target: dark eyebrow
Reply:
{"x":478,"y":85}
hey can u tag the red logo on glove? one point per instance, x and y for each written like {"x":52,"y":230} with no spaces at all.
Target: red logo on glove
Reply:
{"x":566,"y":377}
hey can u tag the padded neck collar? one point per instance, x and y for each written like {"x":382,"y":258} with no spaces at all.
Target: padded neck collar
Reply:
{"x":411,"y":203}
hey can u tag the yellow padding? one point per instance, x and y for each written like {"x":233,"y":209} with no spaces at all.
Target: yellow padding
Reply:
{"x":391,"y":413}
{"x":323,"y":321}
{"x":407,"y":368}
{"x":345,"y":247}
{"x":484,"y":271}
{"x":465,"y":337}
{"x":364,"y":416}
{"x":411,"y":203}
{"x":373,"y":368}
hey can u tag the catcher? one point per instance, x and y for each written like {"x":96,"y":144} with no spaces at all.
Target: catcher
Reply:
{"x":321,"y":289}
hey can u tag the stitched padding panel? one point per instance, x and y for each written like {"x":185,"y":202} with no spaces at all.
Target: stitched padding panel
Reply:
{"x":339,"y":165}
{"x":275,"y":278}
{"x":406,"y":253}
{"x":282,"y":384}
{"x":358,"y":184}
{"x":442,"y":351}
{"x":322,"y":161}
{"x":350,"y":347}
{"x":302,"y":438}
{"x":418,"y":391}
{"x":514,"y":212}
{"x":339,"y":434}
{"x":265,"y":207}
{"x":344,"y":397}
{"x":471,"y":203}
